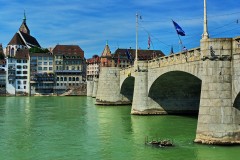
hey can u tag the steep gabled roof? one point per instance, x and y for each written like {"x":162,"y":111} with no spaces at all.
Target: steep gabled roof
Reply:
{"x":21,"y":38}
{"x":30,"y":40}
{"x":16,"y":40}
{"x":106,"y":52}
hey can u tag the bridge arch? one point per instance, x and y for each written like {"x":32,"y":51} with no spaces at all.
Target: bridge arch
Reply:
{"x":177,"y":92}
{"x":127,"y":88}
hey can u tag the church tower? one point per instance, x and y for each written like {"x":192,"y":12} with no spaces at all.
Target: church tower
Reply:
{"x":106,"y":58}
{"x":24,"y":28}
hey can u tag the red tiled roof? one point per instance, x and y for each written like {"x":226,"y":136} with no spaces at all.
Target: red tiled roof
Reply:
{"x":16,"y":40}
{"x":30,"y":40}
{"x":69,"y":50}
{"x":142,"y":54}
{"x":22,"y":54}
{"x":94,"y":59}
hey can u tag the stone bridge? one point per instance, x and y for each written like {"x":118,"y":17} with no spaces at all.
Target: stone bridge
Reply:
{"x":203,"y":81}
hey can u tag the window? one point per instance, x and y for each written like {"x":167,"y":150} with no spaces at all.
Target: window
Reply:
{"x":24,"y":87}
{"x":45,"y":68}
{"x":19,"y":82}
{"x":65,"y":78}
{"x":25,"y":67}
{"x":50,"y":68}
{"x":40,"y":58}
{"x":61,"y":79}
{"x":19,"y":67}
{"x":50,"y":58}
{"x":18,"y":61}
{"x":19,"y":72}
{"x":39,"y":68}
{"x":69,"y":78}
{"x":39,"y":63}
{"x":45,"y":58}
{"x":18,"y":87}
{"x":24,"y":61}
{"x":50,"y":63}
{"x":24,"y":82}
{"x":24,"y":72}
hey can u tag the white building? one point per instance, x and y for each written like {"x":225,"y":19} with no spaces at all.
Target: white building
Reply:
{"x":18,"y":73}
{"x":18,"y":61}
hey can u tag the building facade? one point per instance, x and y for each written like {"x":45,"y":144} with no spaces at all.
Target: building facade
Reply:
{"x":42,"y":79}
{"x":69,"y":66}
{"x":18,"y":61}
{"x":93,"y":67}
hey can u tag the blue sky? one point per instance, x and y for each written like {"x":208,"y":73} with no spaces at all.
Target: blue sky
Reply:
{"x":90,"y":23}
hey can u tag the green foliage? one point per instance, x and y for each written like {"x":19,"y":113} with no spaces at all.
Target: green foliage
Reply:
{"x":2,"y":56}
{"x":38,"y":50}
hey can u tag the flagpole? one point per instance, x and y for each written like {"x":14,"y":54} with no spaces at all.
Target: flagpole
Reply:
{"x":180,"y":42}
{"x":136,"y":54}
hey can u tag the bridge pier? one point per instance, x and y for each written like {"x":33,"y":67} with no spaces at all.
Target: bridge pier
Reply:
{"x":95,"y":87}
{"x":141,"y":101}
{"x":89,"y":88}
{"x":108,"y":91}
{"x":216,"y":120}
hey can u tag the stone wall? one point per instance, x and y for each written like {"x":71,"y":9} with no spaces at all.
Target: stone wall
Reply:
{"x":108,"y":92}
{"x":216,"y":124}
{"x":89,"y":88}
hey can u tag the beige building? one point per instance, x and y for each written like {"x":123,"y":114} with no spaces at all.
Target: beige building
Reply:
{"x":69,"y":66}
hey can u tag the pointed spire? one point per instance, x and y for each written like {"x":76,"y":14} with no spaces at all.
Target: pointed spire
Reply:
{"x":106,"y":51}
{"x":24,"y":28}
{"x":24,"y":17}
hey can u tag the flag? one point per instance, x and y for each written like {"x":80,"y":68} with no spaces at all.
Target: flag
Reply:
{"x":178,"y":29}
{"x":149,"y":42}
{"x":129,"y":56}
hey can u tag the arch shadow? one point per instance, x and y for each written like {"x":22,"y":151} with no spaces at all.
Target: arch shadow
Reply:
{"x":127,"y":88}
{"x":177,"y":92}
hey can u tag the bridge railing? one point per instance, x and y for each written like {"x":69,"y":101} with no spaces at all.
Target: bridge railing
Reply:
{"x":177,"y":58}
{"x":127,"y":71}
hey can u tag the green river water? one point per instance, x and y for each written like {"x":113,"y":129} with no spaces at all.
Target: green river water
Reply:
{"x":73,"y":128}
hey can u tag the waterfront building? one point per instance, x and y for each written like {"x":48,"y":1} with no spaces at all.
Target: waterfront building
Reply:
{"x":42,"y":80}
{"x":69,"y":67}
{"x":2,"y":72}
{"x":18,"y":60}
{"x":93,"y":65}
{"x":17,"y":73}
{"x":21,"y":40}
{"x":124,"y":57}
